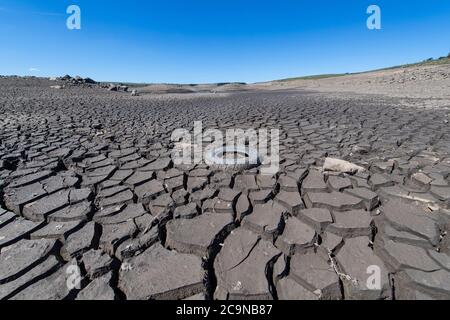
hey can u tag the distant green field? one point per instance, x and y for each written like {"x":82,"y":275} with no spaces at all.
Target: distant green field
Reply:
{"x":439,"y":61}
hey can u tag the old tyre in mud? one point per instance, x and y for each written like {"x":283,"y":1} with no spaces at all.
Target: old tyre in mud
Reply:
{"x":243,"y":158}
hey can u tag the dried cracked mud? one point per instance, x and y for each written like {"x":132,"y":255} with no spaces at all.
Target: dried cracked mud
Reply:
{"x":87,"y":179}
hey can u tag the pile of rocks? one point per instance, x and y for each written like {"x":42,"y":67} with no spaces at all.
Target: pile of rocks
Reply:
{"x":116,"y":87}
{"x":67,"y":80}
{"x":75,"y":80}
{"x":119,"y":88}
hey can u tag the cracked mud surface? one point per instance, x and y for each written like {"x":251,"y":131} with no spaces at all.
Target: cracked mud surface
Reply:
{"x":87,"y":179}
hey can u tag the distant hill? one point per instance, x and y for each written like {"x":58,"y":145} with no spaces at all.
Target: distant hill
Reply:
{"x":431,"y":61}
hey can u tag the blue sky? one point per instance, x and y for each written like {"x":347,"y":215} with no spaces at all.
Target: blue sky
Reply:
{"x":199,"y":41}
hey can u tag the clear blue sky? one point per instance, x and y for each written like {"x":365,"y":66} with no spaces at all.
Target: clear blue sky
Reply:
{"x":197,"y":41}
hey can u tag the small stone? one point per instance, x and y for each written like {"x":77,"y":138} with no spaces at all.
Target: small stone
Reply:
{"x":337,"y":165}
{"x":421,"y":178}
